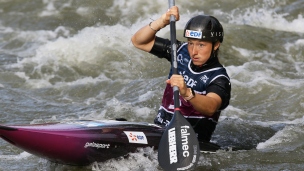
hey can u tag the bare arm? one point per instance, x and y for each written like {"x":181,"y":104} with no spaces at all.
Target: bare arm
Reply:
{"x":144,"y":38}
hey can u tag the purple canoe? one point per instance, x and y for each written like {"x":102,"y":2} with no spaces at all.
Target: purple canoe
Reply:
{"x":82,"y":142}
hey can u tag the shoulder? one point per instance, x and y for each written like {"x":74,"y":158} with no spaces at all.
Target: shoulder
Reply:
{"x":222,"y":87}
{"x":219,"y":73}
{"x":165,"y":43}
{"x":162,"y":47}
{"x":221,"y":80}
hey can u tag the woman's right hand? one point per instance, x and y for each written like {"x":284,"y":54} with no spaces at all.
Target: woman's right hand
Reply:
{"x":144,"y":38}
{"x":166,"y":16}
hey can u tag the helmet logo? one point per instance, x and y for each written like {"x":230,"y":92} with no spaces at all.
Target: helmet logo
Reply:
{"x":217,"y":34}
{"x":193,"y":34}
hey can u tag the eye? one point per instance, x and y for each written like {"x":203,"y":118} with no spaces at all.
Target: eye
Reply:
{"x":201,"y":45}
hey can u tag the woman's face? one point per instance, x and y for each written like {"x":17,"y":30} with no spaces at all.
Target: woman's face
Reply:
{"x":200,"y":51}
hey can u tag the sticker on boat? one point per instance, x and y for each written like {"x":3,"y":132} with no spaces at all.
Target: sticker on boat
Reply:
{"x":136,"y":137}
{"x":96,"y":145}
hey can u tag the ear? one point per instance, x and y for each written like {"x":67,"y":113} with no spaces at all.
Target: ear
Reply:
{"x":216,"y":46}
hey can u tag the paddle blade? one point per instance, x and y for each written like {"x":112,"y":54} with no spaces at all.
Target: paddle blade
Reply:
{"x":178,"y":148}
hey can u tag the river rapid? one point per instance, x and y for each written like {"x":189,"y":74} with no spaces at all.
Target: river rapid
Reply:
{"x":70,"y":59}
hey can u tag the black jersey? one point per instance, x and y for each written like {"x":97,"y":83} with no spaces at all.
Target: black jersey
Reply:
{"x":212,"y":77}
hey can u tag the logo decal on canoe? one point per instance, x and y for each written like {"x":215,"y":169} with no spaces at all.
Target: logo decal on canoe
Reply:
{"x":96,"y":145}
{"x":136,"y":137}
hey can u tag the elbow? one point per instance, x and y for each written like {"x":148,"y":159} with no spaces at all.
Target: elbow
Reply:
{"x":209,"y":113}
{"x":142,"y":45}
{"x":133,"y":40}
{"x":136,"y":43}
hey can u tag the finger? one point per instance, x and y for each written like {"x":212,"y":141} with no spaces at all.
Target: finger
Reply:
{"x":175,"y":12}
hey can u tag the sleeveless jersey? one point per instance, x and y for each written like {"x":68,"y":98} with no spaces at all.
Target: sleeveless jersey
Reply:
{"x":198,"y":81}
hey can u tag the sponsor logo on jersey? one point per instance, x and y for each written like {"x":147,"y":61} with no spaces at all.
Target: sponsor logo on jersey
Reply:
{"x":189,"y":81}
{"x":136,"y":137}
{"x":204,"y":78}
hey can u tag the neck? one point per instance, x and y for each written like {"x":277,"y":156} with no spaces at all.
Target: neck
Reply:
{"x":211,"y":63}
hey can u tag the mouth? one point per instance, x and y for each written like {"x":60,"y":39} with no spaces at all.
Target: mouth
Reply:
{"x":196,"y":61}
{"x":195,"y":58}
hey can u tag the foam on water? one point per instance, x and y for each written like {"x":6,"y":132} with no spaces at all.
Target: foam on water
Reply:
{"x":97,"y":68}
{"x":297,"y":49}
{"x":92,"y":46}
{"x":267,"y":17}
{"x":20,"y":156}
{"x":289,"y":138}
{"x":143,"y":159}
{"x":50,"y":9}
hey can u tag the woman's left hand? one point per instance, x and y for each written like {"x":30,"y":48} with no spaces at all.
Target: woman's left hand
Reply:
{"x":178,"y":80}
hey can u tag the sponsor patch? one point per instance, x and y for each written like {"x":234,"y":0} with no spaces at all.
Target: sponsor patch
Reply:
{"x":204,"y":78}
{"x":193,"y":34}
{"x":136,"y":137}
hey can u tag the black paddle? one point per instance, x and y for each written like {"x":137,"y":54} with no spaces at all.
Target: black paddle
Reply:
{"x":178,"y":148}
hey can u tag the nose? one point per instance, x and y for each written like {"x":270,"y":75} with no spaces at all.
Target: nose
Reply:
{"x":194,"y":50}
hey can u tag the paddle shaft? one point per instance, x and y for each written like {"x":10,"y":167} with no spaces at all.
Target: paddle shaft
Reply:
{"x":178,"y":148}
{"x":173,"y":54}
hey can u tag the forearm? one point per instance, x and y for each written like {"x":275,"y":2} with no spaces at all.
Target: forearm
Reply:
{"x":205,"y":104}
{"x":144,"y":38}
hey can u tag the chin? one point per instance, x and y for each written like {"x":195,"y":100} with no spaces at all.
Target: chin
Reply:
{"x":197,"y":63}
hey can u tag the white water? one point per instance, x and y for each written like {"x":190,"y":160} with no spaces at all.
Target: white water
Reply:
{"x":71,"y":60}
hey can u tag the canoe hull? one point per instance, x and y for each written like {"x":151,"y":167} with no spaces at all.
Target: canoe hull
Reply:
{"x":82,"y":142}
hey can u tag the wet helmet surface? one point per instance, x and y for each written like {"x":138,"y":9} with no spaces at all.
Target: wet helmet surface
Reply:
{"x":204,"y":27}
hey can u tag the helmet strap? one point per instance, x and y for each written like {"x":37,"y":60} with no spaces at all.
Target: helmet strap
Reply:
{"x":212,"y":55}
{"x":212,"y":51}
